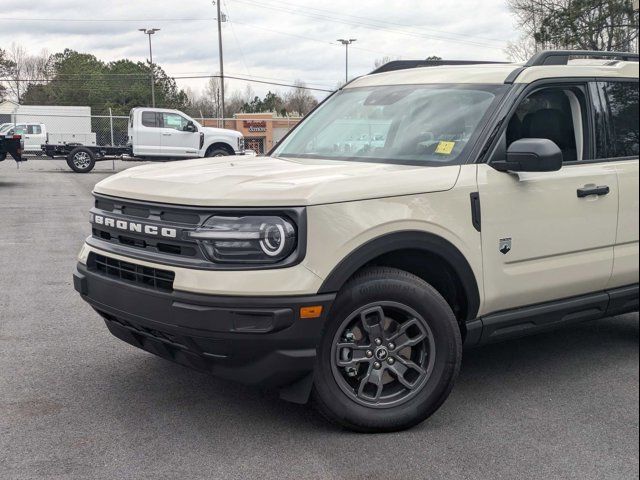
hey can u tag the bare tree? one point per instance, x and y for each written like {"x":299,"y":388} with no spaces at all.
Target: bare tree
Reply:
{"x":299,"y":100}
{"x":521,"y":50}
{"x":381,"y":61}
{"x":212,"y":95}
{"x":238,"y":100}
{"x":574,"y":24}
{"x":23,"y":69}
{"x":207,"y":103}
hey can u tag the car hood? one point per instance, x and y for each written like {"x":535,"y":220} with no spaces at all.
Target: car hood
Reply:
{"x":268,"y":181}
{"x":219,"y":131}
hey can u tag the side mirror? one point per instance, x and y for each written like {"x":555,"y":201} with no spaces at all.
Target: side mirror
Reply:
{"x":190,"y":127}
{"x":531,"y":155}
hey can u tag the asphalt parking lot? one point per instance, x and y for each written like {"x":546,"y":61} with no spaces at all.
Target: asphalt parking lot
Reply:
{"x":77,"y":403}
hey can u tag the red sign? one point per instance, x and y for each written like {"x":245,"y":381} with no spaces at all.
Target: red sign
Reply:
{"x":255,"y":125}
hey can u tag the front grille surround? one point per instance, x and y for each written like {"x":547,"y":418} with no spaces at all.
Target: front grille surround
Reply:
{"x":147,"y":277}
{"x":181,"y":250}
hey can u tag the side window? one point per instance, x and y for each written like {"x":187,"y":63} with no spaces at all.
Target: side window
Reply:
{"x":620,"y":101}
{"x":34,"y":129}
{"x":173,"y":120}
{"x":555,"y":113}
{"x":150,"y":119}
{"x":20,"y":130}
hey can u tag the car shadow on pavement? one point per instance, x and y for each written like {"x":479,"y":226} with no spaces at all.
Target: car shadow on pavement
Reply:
{"x":549,"y":363}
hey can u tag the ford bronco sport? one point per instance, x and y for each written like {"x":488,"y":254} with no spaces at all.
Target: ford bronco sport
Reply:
{"x":415,"y":211}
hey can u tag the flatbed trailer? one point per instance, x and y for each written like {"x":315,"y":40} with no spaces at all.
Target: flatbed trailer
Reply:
{"x":82,"y":158}
{"x":11,"y":145}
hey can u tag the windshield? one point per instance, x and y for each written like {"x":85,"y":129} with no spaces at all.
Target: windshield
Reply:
{"x":413,"y":124}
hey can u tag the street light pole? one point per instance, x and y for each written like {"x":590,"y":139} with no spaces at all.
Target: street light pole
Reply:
{"x":149,"y":32}
{"x":346,"y":44}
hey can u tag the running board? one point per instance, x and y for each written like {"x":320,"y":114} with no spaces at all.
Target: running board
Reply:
{"x":547,"y":316}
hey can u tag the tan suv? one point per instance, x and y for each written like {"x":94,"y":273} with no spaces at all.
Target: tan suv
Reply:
{"x":415,"y":211}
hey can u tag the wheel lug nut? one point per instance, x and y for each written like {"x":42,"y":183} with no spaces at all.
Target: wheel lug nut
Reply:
{"x":391,"y":346}
{"x":377,"y":365}
{"x":377,"y":341}
{"x":369,"y":353}
{"x":390,"y":361}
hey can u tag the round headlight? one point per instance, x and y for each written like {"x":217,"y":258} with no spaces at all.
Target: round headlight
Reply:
{"x":273,"y":240}
{"x":250,"y":239}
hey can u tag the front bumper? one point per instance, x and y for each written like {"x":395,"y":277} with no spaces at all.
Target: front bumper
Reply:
{"x":252,"y":340}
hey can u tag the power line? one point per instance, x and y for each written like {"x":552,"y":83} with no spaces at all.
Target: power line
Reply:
{"x":78,"y":82}
{"x":115,"y":20}
{"x":260,"y":81}
{"x":385,"y":22}
{"x":366,"y":25}
{"x":233,"y":31}
{"x":79,"y":77}
{"x":303,"y":37}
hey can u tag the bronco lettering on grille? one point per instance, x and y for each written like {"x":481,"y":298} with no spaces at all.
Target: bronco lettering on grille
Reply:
{"x":134,"y":227}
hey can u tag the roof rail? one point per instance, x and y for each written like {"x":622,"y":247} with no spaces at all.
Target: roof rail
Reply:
{"x":407,"y":64}
{"x":561,"y":57}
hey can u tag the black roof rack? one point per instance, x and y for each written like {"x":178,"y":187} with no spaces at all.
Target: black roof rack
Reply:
{"x":407,"y":64}
{"x":561,"y":57}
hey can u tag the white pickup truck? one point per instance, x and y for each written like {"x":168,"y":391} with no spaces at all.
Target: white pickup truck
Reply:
{"x":154,"y":133}
{"x":35,"y":134}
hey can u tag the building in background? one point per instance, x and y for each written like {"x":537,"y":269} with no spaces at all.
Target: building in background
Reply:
{"x":262,"y":131}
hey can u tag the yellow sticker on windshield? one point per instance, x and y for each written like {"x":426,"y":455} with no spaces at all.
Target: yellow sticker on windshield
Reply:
{"x":445,"y":148}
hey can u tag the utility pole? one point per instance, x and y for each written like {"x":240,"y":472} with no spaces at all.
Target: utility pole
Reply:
{"x":220,"y":20}
{"x":346,"y":44}
{"x":149,"y":32}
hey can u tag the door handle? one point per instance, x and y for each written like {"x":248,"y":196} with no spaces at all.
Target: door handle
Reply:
{"x":166,"y":134}
{"x":593,"y":190}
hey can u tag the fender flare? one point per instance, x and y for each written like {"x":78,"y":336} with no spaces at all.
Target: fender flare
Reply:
{"x":407,"y":240}
{"x":210,"y":144}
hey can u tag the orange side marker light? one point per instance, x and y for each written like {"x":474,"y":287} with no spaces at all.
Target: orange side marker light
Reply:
{"x":311,"y":312}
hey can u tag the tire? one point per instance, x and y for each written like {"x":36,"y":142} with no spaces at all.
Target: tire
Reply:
{"x":81,"y":160}
{"x":414,"y":312}
{"x":217,"y":152}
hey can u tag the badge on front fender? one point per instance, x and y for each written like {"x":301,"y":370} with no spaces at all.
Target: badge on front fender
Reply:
{"x":505,"y":245}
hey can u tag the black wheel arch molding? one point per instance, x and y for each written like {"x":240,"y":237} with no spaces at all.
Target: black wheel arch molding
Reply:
{"x":426,"y":242}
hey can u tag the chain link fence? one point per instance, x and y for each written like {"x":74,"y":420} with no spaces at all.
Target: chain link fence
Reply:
{"x":261,"y":131}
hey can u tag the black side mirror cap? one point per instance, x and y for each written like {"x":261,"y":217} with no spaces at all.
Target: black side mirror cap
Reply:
{"x":190,"y":127}
{"x":531,"y":155}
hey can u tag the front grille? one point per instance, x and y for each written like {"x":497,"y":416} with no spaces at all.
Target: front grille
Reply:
{"x":180,"y":219}
{"x":147,"y":277}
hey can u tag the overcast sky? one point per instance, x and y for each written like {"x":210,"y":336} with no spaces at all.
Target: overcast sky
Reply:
{"x":270,"y":39}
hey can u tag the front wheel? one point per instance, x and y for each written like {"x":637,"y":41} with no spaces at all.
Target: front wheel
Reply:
{"x":217,"y":152}
{"x":81,"y":160}
{"x":389,"y":355}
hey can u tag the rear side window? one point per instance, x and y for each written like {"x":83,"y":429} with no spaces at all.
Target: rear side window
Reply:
{"x":617,"y":124}
{"x":150,"y":119}
{"x":34,"y":129}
